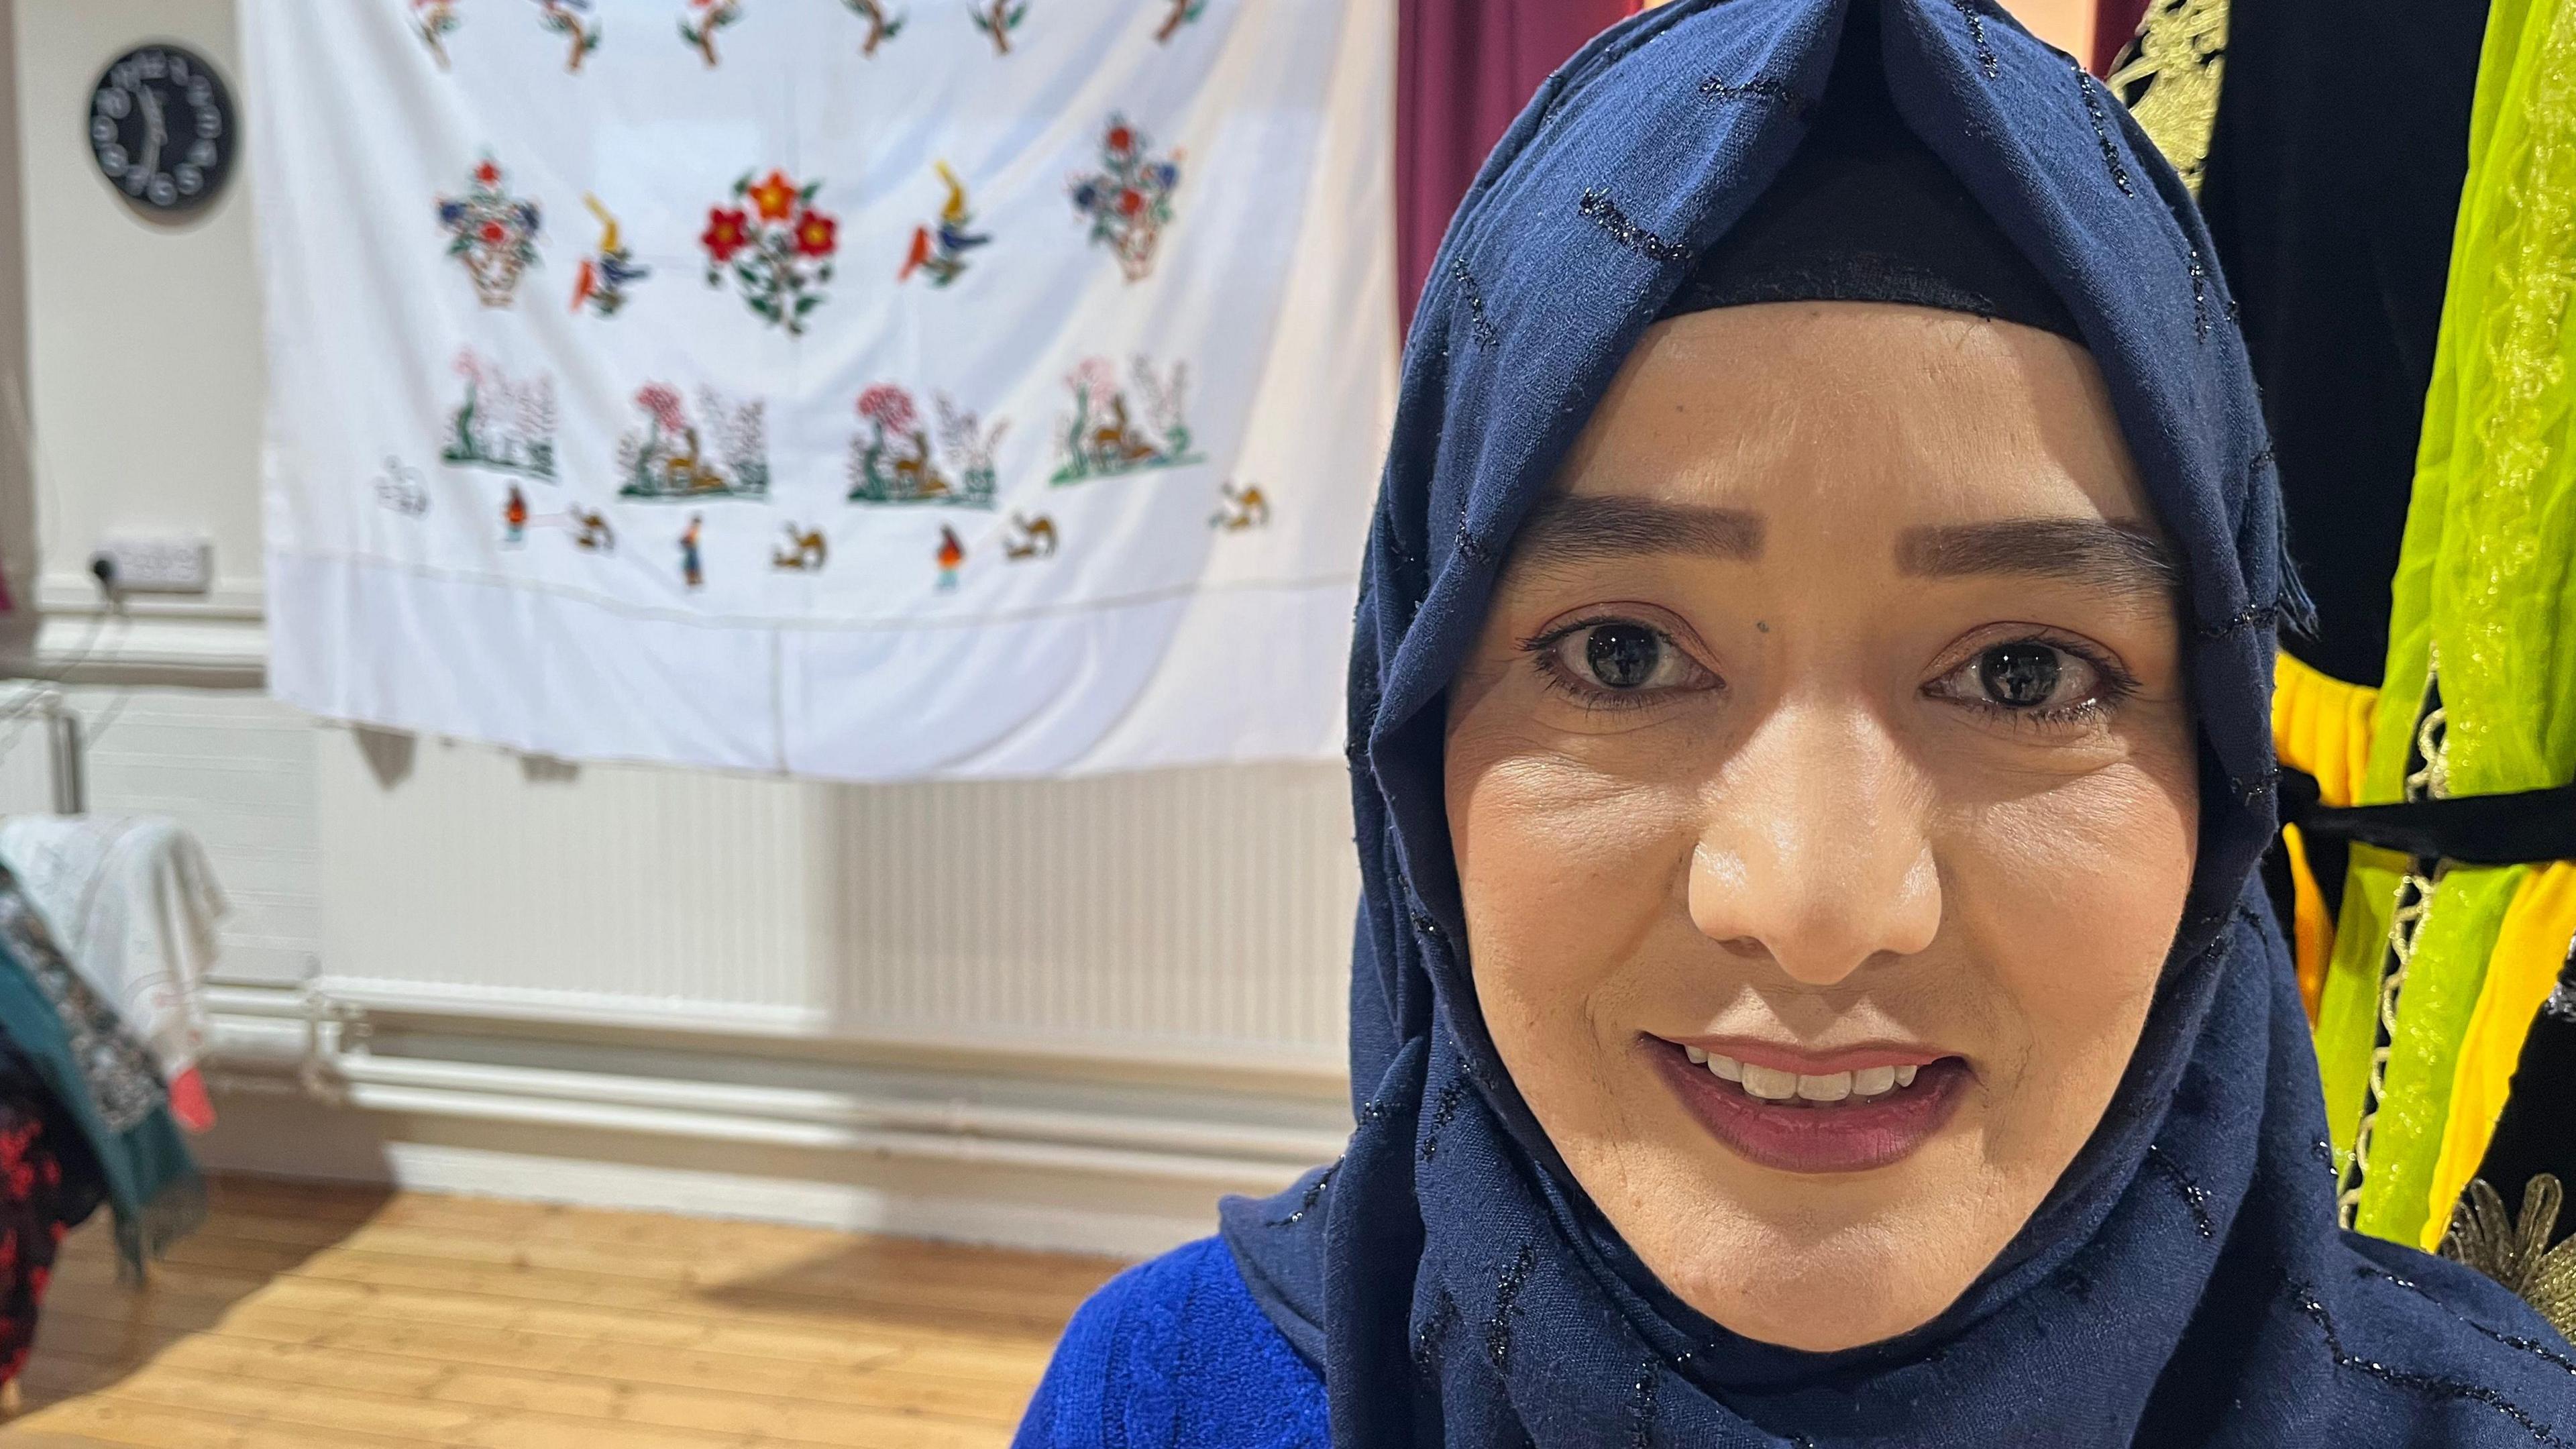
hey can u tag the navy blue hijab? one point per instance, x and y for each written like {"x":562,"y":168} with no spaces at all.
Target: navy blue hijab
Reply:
{"x":2184,"y":1283}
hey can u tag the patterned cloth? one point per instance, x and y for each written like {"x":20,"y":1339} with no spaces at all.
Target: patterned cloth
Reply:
{"x":48,"y":1186}
{"x":873,"y":391}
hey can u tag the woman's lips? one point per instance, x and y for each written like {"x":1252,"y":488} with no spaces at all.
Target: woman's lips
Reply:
{"x":1798,"y":1135}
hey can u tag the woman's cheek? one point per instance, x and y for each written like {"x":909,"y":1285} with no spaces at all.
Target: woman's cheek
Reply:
{"x":2071,"y":894}
{"x":1564,"y":869}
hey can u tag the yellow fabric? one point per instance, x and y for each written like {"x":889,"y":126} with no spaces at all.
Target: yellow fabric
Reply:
{"x":2311,"y":934}
{"x":2321,"y":727}
{"x":2486,"y":582}
{"x":2521,"y":972}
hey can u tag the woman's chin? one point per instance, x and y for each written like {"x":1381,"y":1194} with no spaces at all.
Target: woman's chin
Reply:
{"x":1829,"y":1261}
{"x":1820,"y":1302}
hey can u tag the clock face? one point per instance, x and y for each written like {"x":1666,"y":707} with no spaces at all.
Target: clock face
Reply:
{"x":161,"y":127}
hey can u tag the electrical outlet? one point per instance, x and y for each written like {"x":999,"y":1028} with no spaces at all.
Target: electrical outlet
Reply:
{"x":155,"y":565}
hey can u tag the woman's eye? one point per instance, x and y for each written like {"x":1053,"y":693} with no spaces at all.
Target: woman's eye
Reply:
{"x":1619,"y":657}
{"x":2027,"y":677}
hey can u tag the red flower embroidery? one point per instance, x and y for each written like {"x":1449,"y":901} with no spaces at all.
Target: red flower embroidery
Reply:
{"x":775,"y":197}
{"x":493,"y":233}
{"x":489,"y":173}
{"x":1130,"y":202}
{"x":814,"y":234}
{"x":1121,"y":138}
{"x":726,"y":233}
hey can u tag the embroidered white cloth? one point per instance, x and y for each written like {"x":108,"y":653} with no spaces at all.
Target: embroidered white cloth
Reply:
{"x":859,"y":390}
{"x":134,"y":903}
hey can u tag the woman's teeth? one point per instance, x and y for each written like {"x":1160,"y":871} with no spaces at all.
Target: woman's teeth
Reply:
{"x":1772,"y":1085}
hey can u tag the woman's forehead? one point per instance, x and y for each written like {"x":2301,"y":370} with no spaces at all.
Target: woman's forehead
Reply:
{"x":1846,"y":413}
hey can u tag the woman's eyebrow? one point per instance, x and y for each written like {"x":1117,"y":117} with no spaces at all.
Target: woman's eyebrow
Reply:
{"x":1568,"y":528}
{"x":2120,"y":557}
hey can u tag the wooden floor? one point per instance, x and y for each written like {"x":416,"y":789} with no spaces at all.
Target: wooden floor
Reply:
{"x":305,"y":1317}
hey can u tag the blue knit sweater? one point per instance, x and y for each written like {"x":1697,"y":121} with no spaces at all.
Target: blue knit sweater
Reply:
{"x":1174,"y":1354}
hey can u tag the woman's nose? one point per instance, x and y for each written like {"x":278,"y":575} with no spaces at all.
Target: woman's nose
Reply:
{"x":1814,"y":851}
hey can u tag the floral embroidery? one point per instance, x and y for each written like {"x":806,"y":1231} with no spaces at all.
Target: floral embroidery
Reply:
{"x":514,"y":517}
{"x":701,"y":22}
{"x":502,"y":424}
{"x":806,"y":551}
{"x":952,"y":556}
{"x":1128,"y":201}
{"x":997,"y":19}
{"x":434,"y":21}
{"x":564,"y":18}
{"x":493,"y":233}
{"x":668,"y":456}
{"x":1102,"y":438}
{"x":2516,"y":1251}
{"x":939,"y":249}
{"x":1030,"y":538}
{"x":1245,"y":507}
{"x":604,"y":276}
{"x":893,"y":461}
{"x":883,"y":25}
{"x":777,"y":246}
{"x":1182,"y":13}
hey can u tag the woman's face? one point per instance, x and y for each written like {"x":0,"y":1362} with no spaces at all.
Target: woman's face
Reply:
{"x":1822,"y":788}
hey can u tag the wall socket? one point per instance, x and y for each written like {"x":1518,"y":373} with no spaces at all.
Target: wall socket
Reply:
{"x":154,"y":565}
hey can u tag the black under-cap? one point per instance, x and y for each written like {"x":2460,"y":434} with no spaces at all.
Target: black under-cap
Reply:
{"x":1864,"y":212}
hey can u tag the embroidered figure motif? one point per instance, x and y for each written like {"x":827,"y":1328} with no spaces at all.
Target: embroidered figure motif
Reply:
{"x":433,"y":21}
{"x":2516,"y":1251}
{"x":668,"y":457}
{"x":777,"y":246}
{"x":893,"y":461}
{"x":883,"y":25}
{"x":1128,"y":201}
{"x":1102,"y":439}
{"x":604,"y":276}
{"x":502,"y":424}
{"x":699,"y":24}
{"x":493,"y":233}
{"x":1033,"y":538}
{"x":997,"y":19}
{"x":952,"y":557}
{"x":1182,"y":12}
{"x":940,"y":248}
{"x":2169,"y":76}
{"x":693,"y":572}
{"x":1246,"y":507}
{"x":565,"y":18}
{"x":590,"y":531}
{"x":399,"y":488}
{"x":514,"y":517}
{"x":806,"y":551}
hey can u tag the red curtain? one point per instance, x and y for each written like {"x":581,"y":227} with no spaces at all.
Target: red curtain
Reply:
{"x":2114,"y":21}
{"x":1464,"y":68}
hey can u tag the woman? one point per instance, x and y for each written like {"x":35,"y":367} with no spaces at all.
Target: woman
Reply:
{"x":1812,"y":747}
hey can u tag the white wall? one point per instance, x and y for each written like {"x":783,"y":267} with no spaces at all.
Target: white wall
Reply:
{"x":1067,"y":1013}
{"x":145,"y":381}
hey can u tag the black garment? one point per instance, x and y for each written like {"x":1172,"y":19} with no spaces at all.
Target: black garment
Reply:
{"x":2332,"y":184}
{"x":2331,"y":189}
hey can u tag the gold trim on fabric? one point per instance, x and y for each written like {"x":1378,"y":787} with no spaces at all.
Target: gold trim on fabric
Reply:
{"x":2169,"y":76}
{"x":2515,"y":1252}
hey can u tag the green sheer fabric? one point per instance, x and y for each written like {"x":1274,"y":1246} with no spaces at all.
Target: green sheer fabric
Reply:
{"x":2484,"y":603}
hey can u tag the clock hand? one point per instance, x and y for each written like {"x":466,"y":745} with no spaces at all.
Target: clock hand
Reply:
{"x":155,"y":131}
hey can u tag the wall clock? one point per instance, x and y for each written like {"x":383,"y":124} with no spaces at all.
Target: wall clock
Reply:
{"x":162,"y":130}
